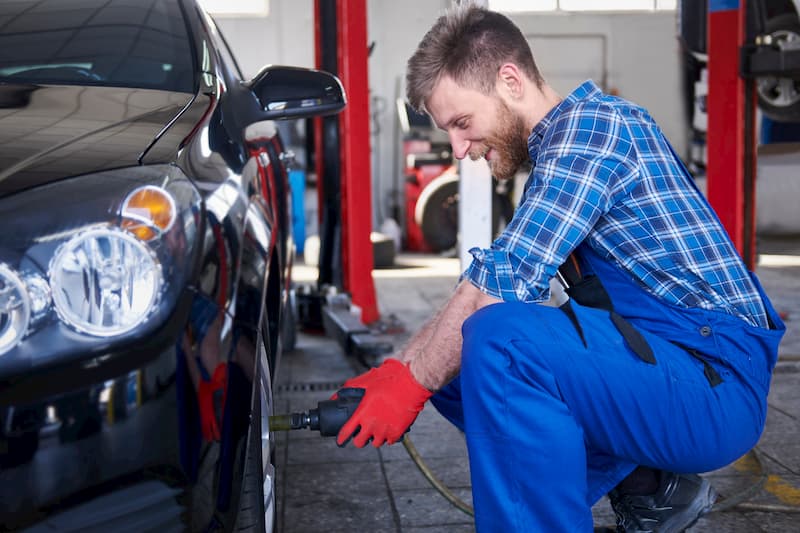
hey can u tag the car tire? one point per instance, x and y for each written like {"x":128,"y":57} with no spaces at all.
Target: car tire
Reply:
{"x":779,"y":98}
{"x":249,"y":517}
{"x":201,"y":495}
{"x":436,"y":212}
{"x":246,"y":509}
{"x":252,"y":517}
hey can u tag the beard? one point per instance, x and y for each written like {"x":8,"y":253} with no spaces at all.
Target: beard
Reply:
{"x":509,"y":141}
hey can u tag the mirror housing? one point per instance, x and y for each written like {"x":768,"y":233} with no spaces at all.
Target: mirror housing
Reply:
{"x":293,"y":92}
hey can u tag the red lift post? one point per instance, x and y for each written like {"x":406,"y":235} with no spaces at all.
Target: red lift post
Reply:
{"x":342,"y":25}
{"x":731,"y":140}
{"x":357,"y":257}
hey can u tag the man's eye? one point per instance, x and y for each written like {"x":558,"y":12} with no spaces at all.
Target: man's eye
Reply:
{"x":462,"y":124}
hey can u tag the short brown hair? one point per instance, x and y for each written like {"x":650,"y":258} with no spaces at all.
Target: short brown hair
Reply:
{"x":469,"y":44}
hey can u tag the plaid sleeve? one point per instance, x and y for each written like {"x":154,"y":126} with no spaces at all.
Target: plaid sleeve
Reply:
{"x":585,"y":164}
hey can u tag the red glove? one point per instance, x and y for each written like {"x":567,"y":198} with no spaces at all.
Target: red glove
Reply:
{"x":392,"y":400}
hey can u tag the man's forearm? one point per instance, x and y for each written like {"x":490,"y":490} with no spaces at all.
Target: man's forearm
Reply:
{"x":434,"y":352}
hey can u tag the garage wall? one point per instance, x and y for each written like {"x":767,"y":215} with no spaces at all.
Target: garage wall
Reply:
{"x":286,"y":36}
{"x":639,"y":60}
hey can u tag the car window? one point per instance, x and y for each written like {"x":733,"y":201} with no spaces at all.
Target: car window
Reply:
{"x":96,"y":42}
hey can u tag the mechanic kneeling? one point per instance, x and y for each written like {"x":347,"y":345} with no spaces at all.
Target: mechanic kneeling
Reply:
{"x":661,"y":361}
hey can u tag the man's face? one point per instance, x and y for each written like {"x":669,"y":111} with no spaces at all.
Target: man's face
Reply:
{"x":480,"y":125}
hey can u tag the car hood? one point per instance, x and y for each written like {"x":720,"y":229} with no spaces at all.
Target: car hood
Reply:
{"x":48,"y":133}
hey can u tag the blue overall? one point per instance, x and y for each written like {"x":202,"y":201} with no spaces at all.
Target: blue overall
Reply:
{"x":552,"y":424}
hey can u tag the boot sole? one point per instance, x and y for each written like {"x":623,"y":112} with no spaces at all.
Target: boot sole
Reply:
{"x":700,"y":506}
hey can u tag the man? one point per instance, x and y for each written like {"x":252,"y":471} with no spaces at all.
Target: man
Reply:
{"x":662,"y":358}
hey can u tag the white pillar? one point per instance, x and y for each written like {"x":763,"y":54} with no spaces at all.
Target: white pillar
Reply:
{"x":474,"y":201}
{"x":474,"y":207}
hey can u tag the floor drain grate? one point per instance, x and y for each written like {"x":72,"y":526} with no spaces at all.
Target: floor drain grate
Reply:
{"x":312,"y":386}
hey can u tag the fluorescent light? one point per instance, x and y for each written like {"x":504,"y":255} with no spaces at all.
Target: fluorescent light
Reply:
{"x":511,"y":6}
{"x":519,"y":6}
{"x":606,"y":5}
{"x":236,"y":7}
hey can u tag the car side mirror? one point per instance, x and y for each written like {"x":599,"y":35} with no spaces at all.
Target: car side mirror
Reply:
{"x":293,"y":92}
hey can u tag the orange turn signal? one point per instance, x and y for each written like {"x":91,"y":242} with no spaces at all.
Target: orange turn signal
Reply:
{"x":148,"y":212}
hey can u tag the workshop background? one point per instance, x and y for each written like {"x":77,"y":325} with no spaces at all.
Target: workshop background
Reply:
{"x":632,"y":53}
{"x":635,"y":54}
{"x":162,"y":432}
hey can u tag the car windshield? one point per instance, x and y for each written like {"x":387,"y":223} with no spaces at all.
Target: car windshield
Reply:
{"x":120,"y":43}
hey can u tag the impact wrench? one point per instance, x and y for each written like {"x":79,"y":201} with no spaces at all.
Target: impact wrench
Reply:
{"x":328,"y":418}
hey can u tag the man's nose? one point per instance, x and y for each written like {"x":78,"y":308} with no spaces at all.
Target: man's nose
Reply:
{"x":460,"y":145}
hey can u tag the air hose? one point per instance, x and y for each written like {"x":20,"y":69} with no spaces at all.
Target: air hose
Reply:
{"x":429,"y":475}
{"x":737,"y":501}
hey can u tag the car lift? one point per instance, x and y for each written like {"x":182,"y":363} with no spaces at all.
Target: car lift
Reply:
{"x":342,"y":154}
{"x":737,"y":54}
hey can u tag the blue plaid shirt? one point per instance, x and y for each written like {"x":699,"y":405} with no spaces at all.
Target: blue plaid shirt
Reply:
{"x":604,"y":174}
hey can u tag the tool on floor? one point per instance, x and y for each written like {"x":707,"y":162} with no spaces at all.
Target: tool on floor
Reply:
{"x":328,"y":418}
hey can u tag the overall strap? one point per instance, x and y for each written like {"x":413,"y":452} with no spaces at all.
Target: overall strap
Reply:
{"x":587,"y":290}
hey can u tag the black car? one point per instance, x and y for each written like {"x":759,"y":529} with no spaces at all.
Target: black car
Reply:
{"x":145,"y":261}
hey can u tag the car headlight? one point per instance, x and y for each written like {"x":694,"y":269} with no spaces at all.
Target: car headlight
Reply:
{"x":94,"y":258}
{"x":104,"y":281}
{"x":15,"y":309}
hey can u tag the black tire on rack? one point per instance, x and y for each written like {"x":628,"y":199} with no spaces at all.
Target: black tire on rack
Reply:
{"x":436,"y":212}
{"x":779,"y":98}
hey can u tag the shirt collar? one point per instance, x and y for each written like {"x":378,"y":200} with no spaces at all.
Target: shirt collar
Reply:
{"x":585,"y":90}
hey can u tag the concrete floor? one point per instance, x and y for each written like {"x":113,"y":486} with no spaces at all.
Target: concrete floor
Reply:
{"x":327,"y":488}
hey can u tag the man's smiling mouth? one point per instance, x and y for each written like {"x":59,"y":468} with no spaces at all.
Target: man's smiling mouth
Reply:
{"x":485,"y":153}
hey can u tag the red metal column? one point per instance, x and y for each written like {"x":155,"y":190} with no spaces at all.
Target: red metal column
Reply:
{"x":355,"y":148}
{"x":731,"y":153}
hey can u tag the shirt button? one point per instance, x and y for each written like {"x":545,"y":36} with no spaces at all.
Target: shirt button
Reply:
{"x":705,"y":331}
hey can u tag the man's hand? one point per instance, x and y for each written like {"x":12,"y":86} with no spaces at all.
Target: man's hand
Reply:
{"x":392,"y":400}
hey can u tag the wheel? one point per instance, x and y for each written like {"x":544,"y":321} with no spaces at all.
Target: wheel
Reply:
{"x":257,"y":508}
{"x":436,"y":212}
{"x":779,"y":98}
{"x":257,"y":513}
{"x":252,"y":500}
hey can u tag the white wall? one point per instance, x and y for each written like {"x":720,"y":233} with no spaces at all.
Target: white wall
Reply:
{"x":641,"y":58}
{"x":284,"y":37}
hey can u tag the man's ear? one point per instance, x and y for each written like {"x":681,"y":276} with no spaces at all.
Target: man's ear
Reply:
{"x":510,"y":81}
